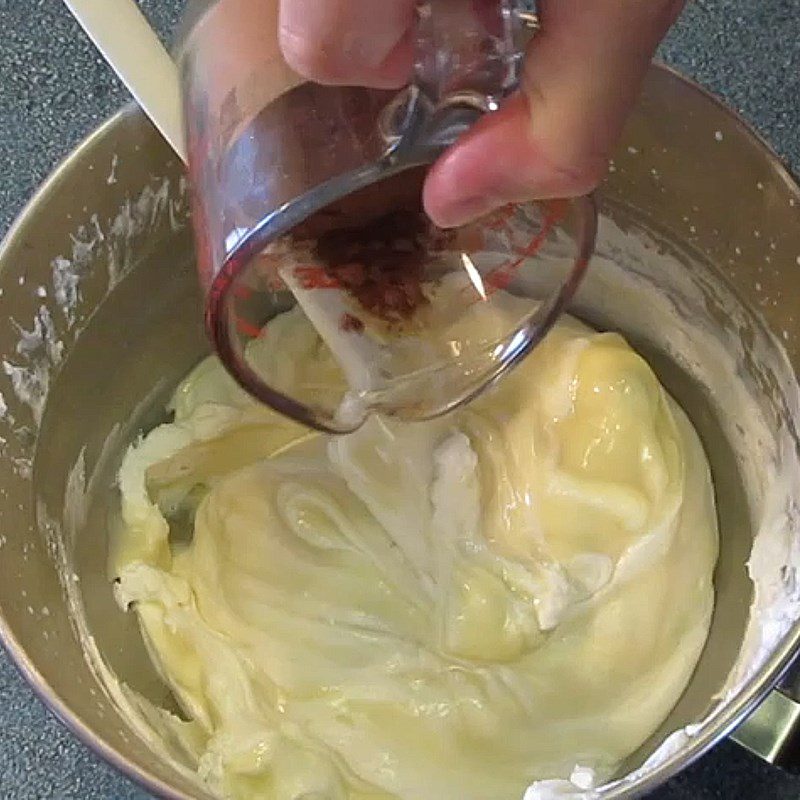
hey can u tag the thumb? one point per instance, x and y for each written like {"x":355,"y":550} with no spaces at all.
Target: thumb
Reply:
{"x":582,"y":74}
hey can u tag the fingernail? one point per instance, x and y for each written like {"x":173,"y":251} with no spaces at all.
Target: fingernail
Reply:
{"x":462,"y":211}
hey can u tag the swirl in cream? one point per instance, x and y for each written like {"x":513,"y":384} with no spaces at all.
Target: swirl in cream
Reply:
{"x":452,"y":609}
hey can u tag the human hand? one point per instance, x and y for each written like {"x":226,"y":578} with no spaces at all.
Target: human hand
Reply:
{"x":582,"y":74}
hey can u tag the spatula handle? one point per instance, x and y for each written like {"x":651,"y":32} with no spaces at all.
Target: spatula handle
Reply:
{"x":132,"y":49}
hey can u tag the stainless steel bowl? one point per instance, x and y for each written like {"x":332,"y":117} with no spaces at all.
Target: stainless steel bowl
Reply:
{"x":103,"y":317}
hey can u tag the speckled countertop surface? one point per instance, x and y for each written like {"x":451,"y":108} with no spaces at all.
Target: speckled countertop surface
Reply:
{"x":54,"y":90}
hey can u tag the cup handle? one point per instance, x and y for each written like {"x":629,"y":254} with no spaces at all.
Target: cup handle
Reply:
{"x":467,"y":57}
{"x":772,"y":731}
{"x":469,"y":52}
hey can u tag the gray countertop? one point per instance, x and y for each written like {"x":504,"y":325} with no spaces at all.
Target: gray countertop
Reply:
{"x":55,"y":89}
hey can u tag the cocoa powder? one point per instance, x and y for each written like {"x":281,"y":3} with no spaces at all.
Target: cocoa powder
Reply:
{"x":350,"y":322}
{"x":381,"y":263}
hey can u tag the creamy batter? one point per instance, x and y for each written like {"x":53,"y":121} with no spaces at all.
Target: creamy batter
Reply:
{"x":454,"y":609}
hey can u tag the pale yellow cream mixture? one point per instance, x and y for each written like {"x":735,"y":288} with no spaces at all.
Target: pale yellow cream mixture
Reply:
{"x":448,"y":610}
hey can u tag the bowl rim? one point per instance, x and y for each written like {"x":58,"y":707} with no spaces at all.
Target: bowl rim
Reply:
{"x":17,"y":654}
{"x":731,"y":713}
{"x":750,"y":694}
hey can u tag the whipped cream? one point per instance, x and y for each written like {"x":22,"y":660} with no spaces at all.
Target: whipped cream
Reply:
{"x":463,"y":608}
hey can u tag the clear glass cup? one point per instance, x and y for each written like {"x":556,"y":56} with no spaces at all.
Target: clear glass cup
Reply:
{"x":306,"y":200}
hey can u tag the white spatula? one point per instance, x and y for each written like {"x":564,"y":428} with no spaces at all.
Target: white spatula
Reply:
{"x":125,"y":39}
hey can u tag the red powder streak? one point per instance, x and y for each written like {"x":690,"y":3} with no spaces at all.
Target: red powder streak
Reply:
{"x":501,"y":277}
{"x":249,"y":329}
{"x":315,"y":278}
{"x":500,"y":218}
{"x":242,"y":292}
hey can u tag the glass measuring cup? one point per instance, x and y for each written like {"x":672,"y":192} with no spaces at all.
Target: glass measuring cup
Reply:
{"x":307,"y":202}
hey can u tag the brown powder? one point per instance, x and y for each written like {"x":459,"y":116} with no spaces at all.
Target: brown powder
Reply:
{"x":349,"y":322}
{"x":381,"y":263}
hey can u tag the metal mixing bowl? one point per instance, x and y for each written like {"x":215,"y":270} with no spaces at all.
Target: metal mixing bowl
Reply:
{"x":103,"y":317}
